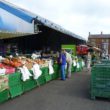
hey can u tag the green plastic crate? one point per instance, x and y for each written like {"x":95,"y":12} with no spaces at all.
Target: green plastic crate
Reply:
{"x":48,"y":78}
{"x":57,"y":71}
{"x":55,"y":76}
{"x":31,"y":71}
{"x":100,"y":81}
{"x":14,"y":79}
{"x":78,"y":69}
{"x":80,"y":63}
{"x":4,"y":96}
{"x":16,"y":90}
{"x":45,"y":71}
{"x":56,"y":66}
{"x":41,"y":80}
{"x":100,"y":93}
{"x":105,"y":61}
{"x":72,"y":69}
{"x":29,"y":85}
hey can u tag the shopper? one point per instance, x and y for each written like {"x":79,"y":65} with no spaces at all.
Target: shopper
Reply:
{"x":88,"y":61}
{"x":62,"y":59}
{"x":69,"y":63}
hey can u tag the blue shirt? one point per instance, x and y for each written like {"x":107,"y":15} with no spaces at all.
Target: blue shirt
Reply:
{"x":63,"y":59}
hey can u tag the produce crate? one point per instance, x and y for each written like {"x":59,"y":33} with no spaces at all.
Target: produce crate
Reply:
{"x":57,"y":70}
{"x":56,"y":66}
{"x":75,"y":68}
{"x":105,"y":61}
{"x":16,"y":90}
{"x":100,"y":65}
{"x":45,"y":71}
{"x":78,"y":69}
{"x":14,"y":79}
{"x":55,"y":76}
{"x":41,"y":80}
{"x":31,"y":72}
{"x":4,"y":96}
{"x":100,"y":81}
{"x":29,"y":85}
{"x":72,"y":69}
{"x":48,"y":78}
{"x":100,"y":93}
{"x":80,"y":63}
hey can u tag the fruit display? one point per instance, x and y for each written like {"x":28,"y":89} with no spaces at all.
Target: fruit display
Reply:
{"x":20,"y":61}
{"x":14,"y":62}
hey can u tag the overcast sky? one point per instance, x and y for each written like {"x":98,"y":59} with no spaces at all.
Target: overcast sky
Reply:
{"x":77,"y":16}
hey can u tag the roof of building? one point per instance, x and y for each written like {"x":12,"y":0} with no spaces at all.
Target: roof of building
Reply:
{"x":29,"y":17}
{"x":7,"y":35}
{"x":99,"y":36}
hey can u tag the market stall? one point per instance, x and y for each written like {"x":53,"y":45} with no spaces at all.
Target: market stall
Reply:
{"x":28,"y":50}
{"x":21,"y":74}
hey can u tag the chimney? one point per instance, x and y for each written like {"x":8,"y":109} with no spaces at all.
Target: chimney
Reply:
{"x":101,"y":32}
{"x":89,"y":33}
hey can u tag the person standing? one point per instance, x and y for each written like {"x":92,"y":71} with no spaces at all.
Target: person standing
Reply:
{"x":69,"y":63}
{"x":89,"y":61}
{"x":62,"y":60}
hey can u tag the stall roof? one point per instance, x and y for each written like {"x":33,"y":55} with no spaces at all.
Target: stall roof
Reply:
{"x":16,"y":11}
{"x":7,"y":35}
{"x":29,"y":17}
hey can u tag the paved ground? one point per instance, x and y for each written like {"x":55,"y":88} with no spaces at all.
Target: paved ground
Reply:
{"x":72,"y":94}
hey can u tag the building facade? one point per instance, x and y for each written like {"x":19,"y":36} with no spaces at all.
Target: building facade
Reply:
{"x":101,"y":41}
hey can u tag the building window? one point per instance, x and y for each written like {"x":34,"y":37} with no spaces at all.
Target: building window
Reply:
{"x":92,"y":40}
{"x":105,"y":40}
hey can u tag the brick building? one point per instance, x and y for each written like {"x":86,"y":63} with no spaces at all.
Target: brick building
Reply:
{"x":101,"y":41}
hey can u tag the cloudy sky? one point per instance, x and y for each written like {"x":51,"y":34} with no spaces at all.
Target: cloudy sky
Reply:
{"x":77,"y":16}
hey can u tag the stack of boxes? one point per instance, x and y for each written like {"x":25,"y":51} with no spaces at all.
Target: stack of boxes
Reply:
{"x":15,"y":84}
{"x":100,"y":80}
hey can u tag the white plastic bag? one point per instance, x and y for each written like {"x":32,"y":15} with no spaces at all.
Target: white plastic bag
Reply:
{"x":74,"y":63}
{"x":25,"y":73}
{"x":83,"y":64}
{"x":51,"y":70}
{"x":36,"y":71}
{"x":78,"y":66}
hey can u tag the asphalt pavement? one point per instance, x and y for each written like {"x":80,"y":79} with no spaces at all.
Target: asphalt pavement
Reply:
{"x":72,"y":94}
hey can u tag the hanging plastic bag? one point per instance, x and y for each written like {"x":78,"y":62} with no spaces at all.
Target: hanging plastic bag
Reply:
{"x":78,"y":66}
{"x":74,"y":63}
{"x":51,"y":70}
{"x":83,"y":64}
{"x":25,"y":73}
{"x":36,"y":71}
